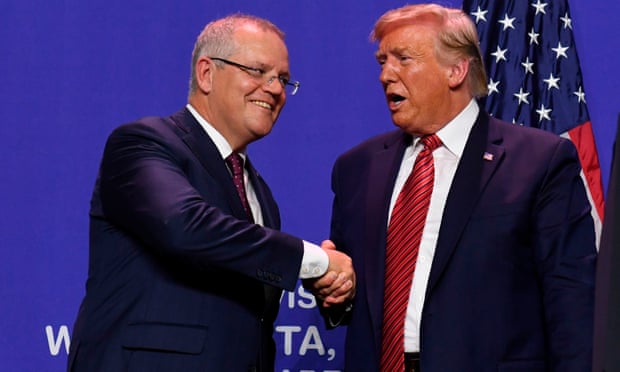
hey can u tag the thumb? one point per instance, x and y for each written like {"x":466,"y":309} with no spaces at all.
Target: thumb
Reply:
{"x":328,"y":244}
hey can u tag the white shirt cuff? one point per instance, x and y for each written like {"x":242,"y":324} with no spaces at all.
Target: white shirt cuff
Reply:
{"x":314,"y":263}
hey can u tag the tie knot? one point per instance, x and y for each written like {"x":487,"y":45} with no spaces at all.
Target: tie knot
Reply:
{"x":431,"y":142}
{"x":235,"y":162}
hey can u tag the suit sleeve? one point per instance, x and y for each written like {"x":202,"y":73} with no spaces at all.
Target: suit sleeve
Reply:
{"x":566,"y":257}
{"x":340,"y":314}
{"x":148,"y":189}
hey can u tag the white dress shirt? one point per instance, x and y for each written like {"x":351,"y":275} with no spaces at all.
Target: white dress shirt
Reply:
{"x":446,"y":159}
{"x":315,"y":261}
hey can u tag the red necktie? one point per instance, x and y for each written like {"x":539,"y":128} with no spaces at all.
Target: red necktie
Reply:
{"x":403,"y":241}
{"x":235,"y":163}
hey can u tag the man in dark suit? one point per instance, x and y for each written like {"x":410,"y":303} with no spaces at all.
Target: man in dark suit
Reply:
{"x":505,"y":260}
{"x":186,"y":262}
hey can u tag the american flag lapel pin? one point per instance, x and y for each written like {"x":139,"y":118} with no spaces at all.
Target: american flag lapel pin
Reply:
{"x":487,"y":156}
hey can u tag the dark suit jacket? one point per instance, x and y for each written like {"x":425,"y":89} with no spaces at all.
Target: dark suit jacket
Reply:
{"x":511,"y":283}
{"x":177,"y":276}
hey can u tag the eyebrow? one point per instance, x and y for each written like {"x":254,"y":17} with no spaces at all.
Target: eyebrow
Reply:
{"x":396,"y":50}
{"x":265,"y":67}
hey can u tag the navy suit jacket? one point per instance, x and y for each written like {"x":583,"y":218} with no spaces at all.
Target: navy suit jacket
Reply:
{"x":178,"y":279}
{"x":511,"y":283}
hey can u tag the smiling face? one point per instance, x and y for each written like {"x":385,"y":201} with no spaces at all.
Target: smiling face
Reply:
{"x":416,"y":84}
{"x":242,"y":107}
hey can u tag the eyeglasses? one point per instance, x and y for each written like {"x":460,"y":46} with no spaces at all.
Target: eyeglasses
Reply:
{"x":291,"y":87}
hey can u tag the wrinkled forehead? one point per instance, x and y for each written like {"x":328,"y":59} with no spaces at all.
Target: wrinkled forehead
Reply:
{"x":255,"y":44}
{"x":407,"y":38}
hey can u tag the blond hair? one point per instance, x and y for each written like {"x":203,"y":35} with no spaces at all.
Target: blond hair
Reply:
{"x":457,"y":37}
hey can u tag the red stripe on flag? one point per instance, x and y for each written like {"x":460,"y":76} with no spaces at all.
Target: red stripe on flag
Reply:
{"x":583,"y":138}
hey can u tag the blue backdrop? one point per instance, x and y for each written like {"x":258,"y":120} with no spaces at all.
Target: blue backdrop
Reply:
{"x":72,"y":70}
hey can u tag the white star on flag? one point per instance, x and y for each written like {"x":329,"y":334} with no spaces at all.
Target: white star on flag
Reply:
{"x":552,"y":82}
{"x":533,"y":37}
{"x":522,"y":96}
{"x":581,"y":96}
{"x":560,"y":51}
{"x":480,"y":15}
{"x":528,"y":66}
{"x":540,"y":7}
{"x":500,"y":54}
{"x":543,"y":113}
{"x":507,"y":22}
{"x":566,"y":20}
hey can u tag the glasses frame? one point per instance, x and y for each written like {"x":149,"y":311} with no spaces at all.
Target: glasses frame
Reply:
{"x":259,"y":73}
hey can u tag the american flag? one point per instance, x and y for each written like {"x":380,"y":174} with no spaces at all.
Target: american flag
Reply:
{"x":535,"y":77}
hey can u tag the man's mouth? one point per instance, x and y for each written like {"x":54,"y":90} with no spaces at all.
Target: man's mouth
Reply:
{"x":263,"y":104}
{"x":395,"y":99}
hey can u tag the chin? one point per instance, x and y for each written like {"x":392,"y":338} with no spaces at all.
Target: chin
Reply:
{"x":399,"y":122}
{"x":261,"y":132}
{"x":407,"y":127}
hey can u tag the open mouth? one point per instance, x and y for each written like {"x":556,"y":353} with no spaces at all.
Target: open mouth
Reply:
{"x":395,"y":98}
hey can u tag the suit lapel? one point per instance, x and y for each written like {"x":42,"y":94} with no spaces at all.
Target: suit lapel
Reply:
{"x":382,"y":174}
{"x":267,"y":204}
{"x":481,"y":157}
{"x":199,"y":142}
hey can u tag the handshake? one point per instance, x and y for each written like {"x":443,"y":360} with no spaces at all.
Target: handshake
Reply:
{"x":337,"y":285}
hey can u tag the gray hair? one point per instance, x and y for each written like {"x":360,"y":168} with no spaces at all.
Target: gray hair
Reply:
{"x":217,"y":40}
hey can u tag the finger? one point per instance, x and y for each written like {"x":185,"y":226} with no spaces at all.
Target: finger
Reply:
{"x":331,"y":300}
{"x":343,"y":291}
{"x":339,"y":281}
{"x":326,"y":281}
{"x":328,"y":244}
{"x":336,"y":286}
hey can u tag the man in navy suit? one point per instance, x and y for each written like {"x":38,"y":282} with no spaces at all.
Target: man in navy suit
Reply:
{"x":505,"y":269}
{"x":187,"y":262}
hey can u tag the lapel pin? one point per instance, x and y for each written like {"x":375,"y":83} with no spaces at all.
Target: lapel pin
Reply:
{"x":487,"y":156}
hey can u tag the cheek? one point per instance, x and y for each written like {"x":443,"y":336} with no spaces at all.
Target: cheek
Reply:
{"x":430,"y":87}
{"x":279,"y":107}
{"x":418,"y":82}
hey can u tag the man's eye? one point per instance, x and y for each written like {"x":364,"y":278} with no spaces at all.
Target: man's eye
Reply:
{"x":256,"y":72}
{"x":283,"y":80}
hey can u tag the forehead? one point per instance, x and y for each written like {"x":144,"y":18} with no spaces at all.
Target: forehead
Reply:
{"x":407,"y":38}
{"x":261,"y":45}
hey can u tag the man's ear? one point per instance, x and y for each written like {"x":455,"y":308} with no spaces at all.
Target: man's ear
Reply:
{"x":204,"y":70}
{"x":458,"y":72}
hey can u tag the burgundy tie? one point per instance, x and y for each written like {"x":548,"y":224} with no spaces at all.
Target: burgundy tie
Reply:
{"x":235,"y":163}
{"x":403,"y":241}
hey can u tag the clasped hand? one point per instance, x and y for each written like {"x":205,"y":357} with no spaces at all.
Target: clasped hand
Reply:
{"x":337,"y":285}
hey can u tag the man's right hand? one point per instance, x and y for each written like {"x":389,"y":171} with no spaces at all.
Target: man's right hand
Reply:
{"x":337,"y":285}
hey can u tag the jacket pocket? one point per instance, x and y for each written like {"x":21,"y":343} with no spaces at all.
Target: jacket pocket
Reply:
{"x":188,"y":339}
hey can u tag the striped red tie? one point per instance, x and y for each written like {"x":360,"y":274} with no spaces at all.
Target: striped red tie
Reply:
{"x":403,"y":241}
{"x":235,"y":163}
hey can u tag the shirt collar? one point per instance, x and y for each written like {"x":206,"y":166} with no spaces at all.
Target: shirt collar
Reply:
{"x":220,"y":142}
{"x":454,"y":134}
